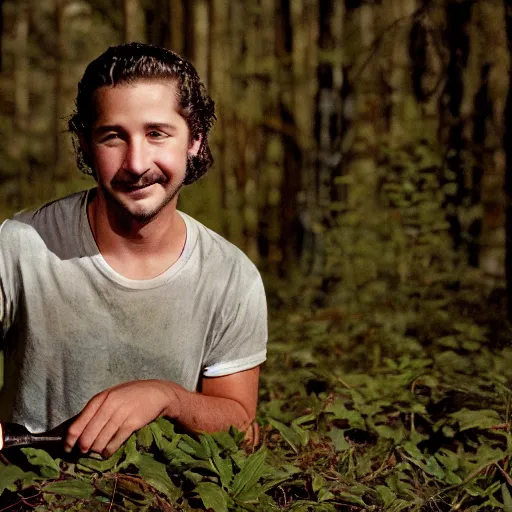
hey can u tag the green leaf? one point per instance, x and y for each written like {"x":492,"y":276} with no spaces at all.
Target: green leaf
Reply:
{"x":250,"y":473}
{"x":102,"y":465}
{"x":325,"y":495}
{"x":450,"y":460}
{"x":287,"y":433}
{"x":11,"y":474}
{"x":225,"y":469}
{"x":251,"y":495}
{"x":75,"y":488}
{"x":386,"y":495}
{"x":194,"y":477}
{"x":212,"y":496}
{"x":37,"y":457}
{"x":206,"y":446}
{"x":412,"y":450}
{"x":480,"y":419}
{"x":307,"y":418}
{"x":192,"y":447}
{"x":167,"y":447}
{"x":165,"y":426}
{"x":433,"y":468}
{"x":507,"y":499}
{"x":339,"y":442}
{"x":351,"y":498}
{"x":130,"y":452}
{"x":387,"y":432}
{"x":452,"y":478}
{"x":301,"y":433}
{"x":155,"y":473}
{"x":145,"y":437}
{"x":225,"y":440}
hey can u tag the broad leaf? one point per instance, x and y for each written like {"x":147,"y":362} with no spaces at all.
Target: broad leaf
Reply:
{"x":102,"y":465}
{"x":212,"y":496}
{"x":250,"y":473}
{"x":145,"y":437}
{"x":481,"y":419}
{"x":49,"y":467}
{"x":10,"y":475}
{"x":74,"y":488}
{"x":339,"y":442}
{"x":287,"y":433}
{"x":225,"y":469}
{"x":155,"y":473}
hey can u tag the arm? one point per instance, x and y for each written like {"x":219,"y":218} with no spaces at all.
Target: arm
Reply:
{"x":113,"y":415}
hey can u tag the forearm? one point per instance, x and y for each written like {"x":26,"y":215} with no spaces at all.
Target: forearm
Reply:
{"x":199,"y":412}
{"x":111,"y":416}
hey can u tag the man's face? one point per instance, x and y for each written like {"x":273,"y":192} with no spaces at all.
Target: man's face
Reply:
{"x":139,"y":145}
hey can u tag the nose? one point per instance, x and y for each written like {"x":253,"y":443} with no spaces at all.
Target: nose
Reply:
{"x":137,"y":158}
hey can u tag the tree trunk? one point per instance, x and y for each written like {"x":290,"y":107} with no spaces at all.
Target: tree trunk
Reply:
{"x":487,"y":180}
{"x":21,"y":99}
{"x":1,"y":32}
{"x":201,"y":28}
{"x":304,"y":58}
{"x":60,"y":65}
{"x":177,"y":26}
{"x":507,"y":144}
{"x":134,"y":21}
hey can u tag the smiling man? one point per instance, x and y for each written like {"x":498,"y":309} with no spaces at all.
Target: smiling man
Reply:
{"x":116,"y":307}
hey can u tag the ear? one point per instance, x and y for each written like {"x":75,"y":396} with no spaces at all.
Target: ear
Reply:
{"x":195,"y":146}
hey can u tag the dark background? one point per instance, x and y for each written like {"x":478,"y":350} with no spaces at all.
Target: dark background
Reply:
{"x":357,"y":142}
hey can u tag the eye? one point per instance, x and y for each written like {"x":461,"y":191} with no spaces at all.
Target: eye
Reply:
{"x":110,"y":137}
{"x":155,"y":134}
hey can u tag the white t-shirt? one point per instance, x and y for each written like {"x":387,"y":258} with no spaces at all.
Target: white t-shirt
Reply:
{"x":72,"y":326}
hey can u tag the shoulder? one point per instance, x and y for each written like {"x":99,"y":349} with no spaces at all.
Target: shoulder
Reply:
{"x":47,"y":225}
{"x":52,"y":211}
{"x":218,"y":252}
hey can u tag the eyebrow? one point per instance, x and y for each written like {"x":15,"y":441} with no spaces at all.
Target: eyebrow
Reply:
{"x":118,"y":128}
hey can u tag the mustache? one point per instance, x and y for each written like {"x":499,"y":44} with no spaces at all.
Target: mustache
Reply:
{"x":139,"y":181}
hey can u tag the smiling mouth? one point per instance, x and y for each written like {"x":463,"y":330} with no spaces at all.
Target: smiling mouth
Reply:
{"x":133,"y":188}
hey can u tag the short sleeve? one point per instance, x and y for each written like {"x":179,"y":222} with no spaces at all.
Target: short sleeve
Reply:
{"x":7,"y":280}
{"x":240,"y":340}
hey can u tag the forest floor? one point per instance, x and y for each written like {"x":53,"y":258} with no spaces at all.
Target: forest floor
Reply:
{"x":395,"y":404}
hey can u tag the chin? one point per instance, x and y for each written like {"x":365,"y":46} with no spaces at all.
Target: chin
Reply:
{"x":143,"y":213}
{"x":142,"y":209}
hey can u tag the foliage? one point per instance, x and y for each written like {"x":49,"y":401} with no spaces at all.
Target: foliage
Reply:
{"x":402,"y":405}
{"x":374,"y":246}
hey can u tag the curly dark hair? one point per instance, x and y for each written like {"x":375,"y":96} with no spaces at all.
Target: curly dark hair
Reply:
{"x":132,"y":62}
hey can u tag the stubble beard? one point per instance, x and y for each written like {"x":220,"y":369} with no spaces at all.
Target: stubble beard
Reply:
{"x":142,"y":216}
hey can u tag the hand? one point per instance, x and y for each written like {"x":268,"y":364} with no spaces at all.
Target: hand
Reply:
{"x":111,"y":416}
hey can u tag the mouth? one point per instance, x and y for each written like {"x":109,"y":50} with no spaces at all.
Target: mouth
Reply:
{"x":127,"y":188}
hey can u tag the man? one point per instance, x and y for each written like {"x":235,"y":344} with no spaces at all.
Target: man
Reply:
{"x":115,"y":306}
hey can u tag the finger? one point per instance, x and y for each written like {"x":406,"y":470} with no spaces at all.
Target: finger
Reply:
{"x":105,"y":436}
{"x":119,"y":438}
{"x":102,"y":420}
{"x":76,"y":429}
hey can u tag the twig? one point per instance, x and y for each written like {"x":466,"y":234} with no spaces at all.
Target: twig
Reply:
{"x":343,"y":382}
{"x":504,"y":473}
{"x":373,"y":475}
{"x":502,"y":426}
{"x":22,"y":500}
{"x":10,"y":506}
{"x":4,"y":459}
{"x":113,"y":495}
{"x":376,"y":42}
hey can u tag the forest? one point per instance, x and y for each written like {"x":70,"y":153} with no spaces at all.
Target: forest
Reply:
{"x":363,"y":161}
